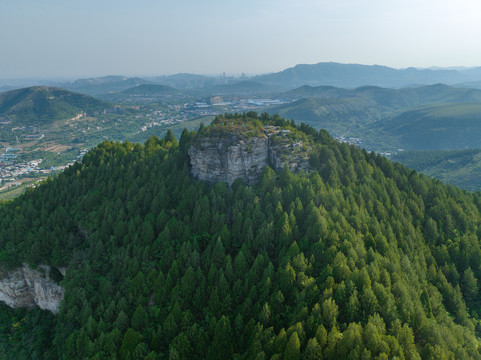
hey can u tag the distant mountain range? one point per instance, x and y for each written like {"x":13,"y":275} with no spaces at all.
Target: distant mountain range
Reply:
{"x":39,"y":104}
{"x":355,"y":75}
{"x":326,"y":73}
{"x":412,"y":96}
{"x":104,"y":85}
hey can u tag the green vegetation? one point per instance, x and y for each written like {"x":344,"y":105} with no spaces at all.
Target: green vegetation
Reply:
{"x":147,"y":93}
{"x":246,"y":125}
{"x":401,"y":98}
{"x":436,"y":127}
{"x":337,"y":115}
{"x":14,"y":191}
{"x":177,"y":129}
{"x":55,"y":124}
{"x":38,"y":105}
{"x":458,"y":167}
{"x":105,"y":84}
{"x":354,"y":75}
{"x":360,"y":258}
{"x":435,"y":117}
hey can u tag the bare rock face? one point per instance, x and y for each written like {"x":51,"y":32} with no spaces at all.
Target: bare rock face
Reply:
{"x":228,"y":158}
{"x":28,"y":288}
{"x":216,"y":159}
{"x":283,"y":152}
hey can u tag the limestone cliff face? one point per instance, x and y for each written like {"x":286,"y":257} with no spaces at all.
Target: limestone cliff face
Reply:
{"x":216,"y":159}
{"x":28,"y":288}
{"x":227,"y":158}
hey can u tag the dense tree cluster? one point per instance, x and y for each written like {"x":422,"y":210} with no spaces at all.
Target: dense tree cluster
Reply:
{"x":360,"y":258}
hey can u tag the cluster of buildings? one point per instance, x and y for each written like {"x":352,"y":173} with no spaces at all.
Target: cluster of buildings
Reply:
{"x":8,"y":156}
{"x":159,"y":118}
{"x":15,"y":174}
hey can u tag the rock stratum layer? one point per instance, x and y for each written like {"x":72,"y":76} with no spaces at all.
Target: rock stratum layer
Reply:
{"x":228,"y":158}
{"x":28,"y":288}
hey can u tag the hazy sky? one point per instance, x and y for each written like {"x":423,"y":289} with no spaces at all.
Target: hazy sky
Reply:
{"x":78,"y":38}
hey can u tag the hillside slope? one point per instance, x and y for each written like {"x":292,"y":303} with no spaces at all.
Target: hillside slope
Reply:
{"x":457,"y":167}
{"x":336,"y":115}
{"x":355,"y":75}
{"x":433,"y":117}
{"x":39,"y":105}
{"x":437,"y":127}
{"x":358,"y":258}
{"x":105,"y":84}
{"x":384,"y":97}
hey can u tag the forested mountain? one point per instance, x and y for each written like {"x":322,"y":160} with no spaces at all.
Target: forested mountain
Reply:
{"x":394,"y":98}
{"x":457,"y":167}
{"x":358,"y":258}
{"x":436,"y":127}
{"x":337,"y":114}
{"x":105,"y":84}
{"x":39,"y":105}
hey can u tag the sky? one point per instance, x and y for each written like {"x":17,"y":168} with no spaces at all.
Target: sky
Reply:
{"x":87,"y":38}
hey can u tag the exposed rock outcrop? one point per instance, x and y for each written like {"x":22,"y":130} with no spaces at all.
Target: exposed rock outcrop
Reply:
{"x":28,"y":288}
{"x":227,"y":158}
{"x":283,"y":151}
{"x":216,"y":159}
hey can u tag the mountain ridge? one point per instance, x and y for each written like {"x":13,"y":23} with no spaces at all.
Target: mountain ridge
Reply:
{"x":355,"y":75}
{"x":40,"y":104}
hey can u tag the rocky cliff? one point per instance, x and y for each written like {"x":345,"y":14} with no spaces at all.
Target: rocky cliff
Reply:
{"x":28,"y":288}
{"x":225,"y":158}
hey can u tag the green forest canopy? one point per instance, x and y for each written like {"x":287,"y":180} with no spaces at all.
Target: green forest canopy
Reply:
{"x":360,"y":258}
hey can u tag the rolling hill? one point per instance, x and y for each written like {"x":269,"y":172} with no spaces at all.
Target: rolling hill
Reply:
{"x":436,"y":127}
{"x":39,"y":105}
{"x":461,"y":168}
{"x":355,"y":75}
{"x":435,"y":117}
{"x":336,"y":115}
{"x":105,"y":84}
{"x":393,"y":98}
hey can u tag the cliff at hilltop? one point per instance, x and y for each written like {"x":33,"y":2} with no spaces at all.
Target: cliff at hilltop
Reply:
{"x":228,"y":152}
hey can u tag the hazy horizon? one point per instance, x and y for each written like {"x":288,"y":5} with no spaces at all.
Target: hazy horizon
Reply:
{"x":56,"y":39}
{"x":233,"y":75}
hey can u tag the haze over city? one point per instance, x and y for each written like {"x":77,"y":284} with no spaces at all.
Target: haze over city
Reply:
{"x":72,"y":39}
